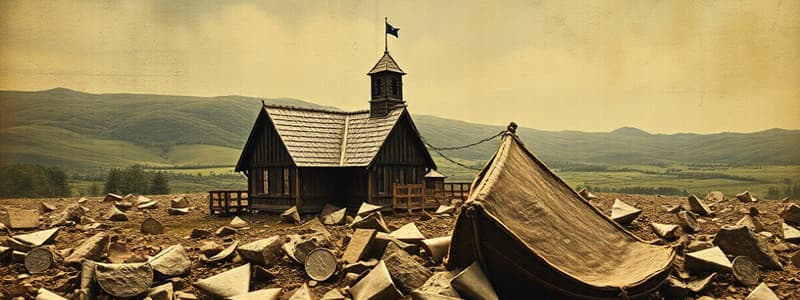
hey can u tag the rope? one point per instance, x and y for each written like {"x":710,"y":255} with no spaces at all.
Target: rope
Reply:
{"x":439,"y":149}
{"x":455,"y":162}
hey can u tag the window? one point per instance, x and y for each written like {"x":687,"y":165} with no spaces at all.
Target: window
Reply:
{"x":265,"y":181}
{"x":286,"y":185}
{"x":395,"y":87}
{"x":377,"y":88}
{"x":379,"y":177}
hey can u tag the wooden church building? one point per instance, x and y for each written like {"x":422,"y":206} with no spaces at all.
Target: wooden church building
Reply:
{"x":309,"y":157}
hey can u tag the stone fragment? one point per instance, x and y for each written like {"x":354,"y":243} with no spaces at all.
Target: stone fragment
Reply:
{"x":71,"y":215}
{"x":622,"y":213}
{"x":665,"y":231}
{"x":118,"y":251}
{"x":152,"y":204}
{"x":746,"y":197}
{"x":225,"y":231}
{"x":360,"y":266}
{"x":87,"y":220}
{"x":439,"y":284}
{"x":795,"y":259}
{"x":698,"y":245}
{"x":39,"y":259}
{"x":263,"y":275}
{"x":740,"y":241}
{"x":179,"y":202}
{"x":367,"y":208}
{"x":699,"y":206}
{"x":700,"y":284}
{"x":47,"y":207}
{"x":123,"y":205}
{"x":198,"y":233}
{"x":238,"y":223}
{"x":302,"y":293}
{"x":5,"y":254}
{"x":151,"y":226}
{"x":707,"y":260}
{"x":38,"y":238}
{"x":114,"y":214}
{"x":91,"y":248}
{"x":425,"y":216}
{"x":762,"y":292}
{"x":790,"y":233}
{"x":88,"y":286}
{"x":230,"y":283}
{"x":263,"y":252}
{"x":382,"y":240}
{"x":445,"y":209}
{"x":674,"y":288}
{"x":420,"y":295}
{"x":333,"y":294}
{"x":224,"y":254}
{"x":672,"y":208}
{"x":317,"y":226}
{"x":171,"y":262}
{"x":437,"y":248}
{"x":263,"y":294}
{"x":18,"y":257}
{"x":687,"y":221}
{"x":333,"y":215}
{"x":745,"y":270}
{"x":124,"y":280}
{"x":376,"y":285}
{"x":751,"y":222}
{"x":177,"y":211}
{"x":407,"y":273}
{"x":408,"y":233}
{"x":791,"y":214}
{"x":472,"y":283}
{"x":111,"y":197}
{"x":586,"y":194}
{"x":22,"y":218}
{"x":715,"y":196}
{"x":320,"y":264}
{"x":290,"y":215}
{"x":185,"y":296}
{"x":371,"y":221}
{"x":43,"y":294}
{"x":210,"y":248}
{"x":161,"y":292}
{"x":299,"y":246}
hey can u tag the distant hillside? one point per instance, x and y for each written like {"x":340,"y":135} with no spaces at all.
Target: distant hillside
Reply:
{"x":87,"y":131}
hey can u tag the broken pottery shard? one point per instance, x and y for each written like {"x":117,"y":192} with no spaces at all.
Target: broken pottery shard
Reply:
{"x":762,"y":292}
{"x":123,"y":205}
{"x":114,"y":214}
{"x":290,"y":215}
{"x":91,"y":248}
{"x":262,"y":252}
{"x":337,"y":217}
{"x":198,"y":233}
{"x":44,"y":294}
{"x":408,"y":233}
{"x":302,"y":293}
{"x":320,"y":264}
{"x":407,"y":273}
{"x":22,"y":218}
{"x":367,"y":208}
{"x":111,"y":197}
{"x":317,"y":226}
{"x":687,"y":221}
{"x":124,"y":280}
{"x":666,"y":231}
{"x":371,"y":221}
{"x":47,"y":207}
{"x":745,"y":270}
{"x":473,"y":284}
{"x":376,"y":285}
{"x":586,"y":194}
{"x":179,"y":202}
{"x":700,"y":284}
{"x":151,"y":226}
{"x":230,"y":283}
{"x":445,"y":209}
{"x":439,"y":284}
{"x":622,"y":213}
{"x":38,"y":238}
{"x":161,"y":292}
{"x":740,"y":241}
{"x":39,"y":259}
{"x":437,"y":247}
{"x":238,"y":223}
{"x":177,"y":211}
{"x":224,"y":254}
{"x":791,"y":214}
{"x":751,"y":222}
{"x":707,"y":260}
{"x":263,"y":294}
{"x":746,"y":197}
{"x":148,"y":205}
{"x":171,"y":262}
{"x":299,"y":246}
{"x":225,"y":231}
{"x":699,"y":206}
{"x":790,"y":234}
{"x":715,"y":196}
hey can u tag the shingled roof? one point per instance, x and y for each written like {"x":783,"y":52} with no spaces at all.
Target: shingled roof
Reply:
{"x":386,"y":63}
{"x":325,"y":138}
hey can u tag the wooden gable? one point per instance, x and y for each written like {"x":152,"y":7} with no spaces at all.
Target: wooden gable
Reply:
{"x":264,"y":147}
{"x":404,"y":146}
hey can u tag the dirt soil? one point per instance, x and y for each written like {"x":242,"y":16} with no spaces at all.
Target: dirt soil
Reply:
{"x":16,"y":282}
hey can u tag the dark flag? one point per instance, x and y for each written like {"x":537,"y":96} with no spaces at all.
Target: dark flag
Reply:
{"x":391,"y":30}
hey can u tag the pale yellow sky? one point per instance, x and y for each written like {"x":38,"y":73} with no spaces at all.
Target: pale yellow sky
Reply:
{"x":662,"y":66}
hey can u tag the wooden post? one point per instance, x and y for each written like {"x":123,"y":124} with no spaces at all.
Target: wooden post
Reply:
{"x":297,"y":198}
{"x":408,"y":193}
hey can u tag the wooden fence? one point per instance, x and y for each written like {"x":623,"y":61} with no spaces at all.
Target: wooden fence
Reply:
{"x":227,"y":202}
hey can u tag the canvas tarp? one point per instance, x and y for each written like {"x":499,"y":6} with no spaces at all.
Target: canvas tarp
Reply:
{"x":535,"y":236}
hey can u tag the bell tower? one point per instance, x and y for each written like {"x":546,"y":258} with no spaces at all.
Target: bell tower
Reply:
{"x":386,"y":80}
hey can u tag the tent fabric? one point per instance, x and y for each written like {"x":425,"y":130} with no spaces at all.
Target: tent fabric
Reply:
{"x":534,"y":235}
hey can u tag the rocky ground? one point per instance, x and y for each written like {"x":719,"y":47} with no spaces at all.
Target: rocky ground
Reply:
{"x":64,"y":280}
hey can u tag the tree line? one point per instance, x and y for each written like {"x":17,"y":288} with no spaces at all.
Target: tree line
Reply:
{"x":33,"y":181}
{"x":136,"y":180}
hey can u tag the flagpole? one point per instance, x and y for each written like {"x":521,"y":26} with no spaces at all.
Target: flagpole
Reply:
{"x":385,"y":37}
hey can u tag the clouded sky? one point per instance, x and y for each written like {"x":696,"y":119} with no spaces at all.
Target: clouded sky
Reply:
{"x":663,"y":66}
